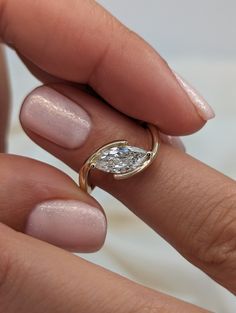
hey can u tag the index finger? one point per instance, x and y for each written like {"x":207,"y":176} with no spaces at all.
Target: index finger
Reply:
{"x":82,"y":42}
{"x":37,"y":277}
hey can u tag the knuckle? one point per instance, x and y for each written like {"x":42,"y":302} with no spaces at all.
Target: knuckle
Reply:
{"x":216,"y":238}
{"x":115,"y":32}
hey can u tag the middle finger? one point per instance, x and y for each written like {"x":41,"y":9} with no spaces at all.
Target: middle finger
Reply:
{"x":189,"y":204}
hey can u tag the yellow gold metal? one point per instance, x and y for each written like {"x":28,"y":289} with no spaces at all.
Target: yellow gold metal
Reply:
{"x":90,"y":163}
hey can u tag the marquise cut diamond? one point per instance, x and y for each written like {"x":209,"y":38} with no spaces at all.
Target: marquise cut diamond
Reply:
{"x":120,"y":159}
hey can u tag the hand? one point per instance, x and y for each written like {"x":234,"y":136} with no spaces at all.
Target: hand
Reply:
{"x":4,"y":101}
{"x":171,"y":192}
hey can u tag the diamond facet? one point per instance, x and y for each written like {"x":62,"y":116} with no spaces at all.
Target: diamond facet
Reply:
{"x":120,"y":159}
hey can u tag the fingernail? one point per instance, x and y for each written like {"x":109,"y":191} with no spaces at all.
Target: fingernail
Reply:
{"x":56,"y":118}
{"x":203,"y":108}
{"x":175,"y":142}
{"x":70,"y":224}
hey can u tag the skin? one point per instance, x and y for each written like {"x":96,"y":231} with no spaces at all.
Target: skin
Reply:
{"x":38,"y":277}
{"x":4,"y":102}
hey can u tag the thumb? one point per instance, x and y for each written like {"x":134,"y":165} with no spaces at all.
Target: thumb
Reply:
{"x":45,"y":203}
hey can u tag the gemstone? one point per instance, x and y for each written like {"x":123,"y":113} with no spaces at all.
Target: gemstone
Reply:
{"x":120,"y":159}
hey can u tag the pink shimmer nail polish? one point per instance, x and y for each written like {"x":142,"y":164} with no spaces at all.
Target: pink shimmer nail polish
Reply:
{"x":202,"y":107}
{"x":56,"y":118}
{"x":70,"y":224}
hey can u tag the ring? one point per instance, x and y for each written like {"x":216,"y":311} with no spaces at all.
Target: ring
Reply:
{"x":120,"y":159}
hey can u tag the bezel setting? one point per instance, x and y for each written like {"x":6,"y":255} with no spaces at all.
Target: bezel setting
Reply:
{"x":120,"y":159}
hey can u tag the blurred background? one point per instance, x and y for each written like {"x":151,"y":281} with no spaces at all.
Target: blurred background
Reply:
{"x":198,"y":39}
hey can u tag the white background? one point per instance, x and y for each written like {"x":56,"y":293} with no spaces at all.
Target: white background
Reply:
{"x":198,"y":39}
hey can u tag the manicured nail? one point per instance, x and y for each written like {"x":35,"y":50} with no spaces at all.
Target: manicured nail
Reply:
{"x":175,"y":142}
{"x":203,"y":108}
{"x":70,"y":224}
{"x":56,"y":118}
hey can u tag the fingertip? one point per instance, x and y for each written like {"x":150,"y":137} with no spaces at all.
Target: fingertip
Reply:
{"x":49,"y":205}
{"x":70,"y":224}
{"x":204,"y":110}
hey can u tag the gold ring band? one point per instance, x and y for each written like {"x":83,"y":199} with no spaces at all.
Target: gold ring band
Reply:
{"x":120,"y":159}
